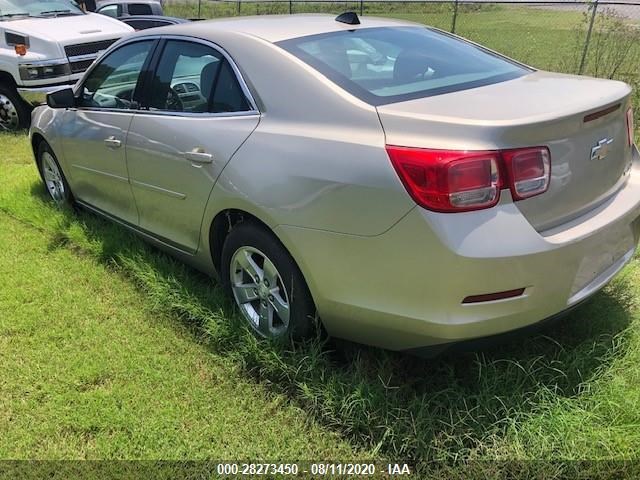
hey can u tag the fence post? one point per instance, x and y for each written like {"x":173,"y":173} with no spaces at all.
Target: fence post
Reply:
{"x":239,"y":7}
{"x":361,"y":7}
{"x":455,"y":17}
{"x":290,"y":7}
{"x":199,"y":8}
{"x":588,"y":39}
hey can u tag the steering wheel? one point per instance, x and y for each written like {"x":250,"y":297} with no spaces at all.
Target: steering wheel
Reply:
{"x":173,"y":101}
{"x":122,"y":103}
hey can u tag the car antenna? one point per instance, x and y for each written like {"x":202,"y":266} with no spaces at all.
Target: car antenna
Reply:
{"x":350,"y":18}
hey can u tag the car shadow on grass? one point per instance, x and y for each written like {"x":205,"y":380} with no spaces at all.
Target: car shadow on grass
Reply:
{"x":392,"y":404}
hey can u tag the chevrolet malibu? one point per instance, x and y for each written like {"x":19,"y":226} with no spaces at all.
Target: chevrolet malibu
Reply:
{"x":404,"y":187}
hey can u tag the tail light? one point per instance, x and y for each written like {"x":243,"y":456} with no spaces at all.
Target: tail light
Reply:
{"x":448,"y":181}
{"x":528,"y":170}
{"x":630,"y":126}
{"x":459,"y":181}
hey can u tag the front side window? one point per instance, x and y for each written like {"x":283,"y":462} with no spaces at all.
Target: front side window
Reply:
{"x":113,"y":82}
{"x":192,"y":77}
{"x":386,"y":65}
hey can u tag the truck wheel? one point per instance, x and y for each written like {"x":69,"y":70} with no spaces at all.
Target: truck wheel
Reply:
{"x":15,"y":114}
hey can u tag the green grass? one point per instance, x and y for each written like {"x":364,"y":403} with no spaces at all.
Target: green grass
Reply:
{"x":90,"y":368}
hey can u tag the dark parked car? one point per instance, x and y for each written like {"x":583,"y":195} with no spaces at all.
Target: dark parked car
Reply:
{"x":142,"y":22}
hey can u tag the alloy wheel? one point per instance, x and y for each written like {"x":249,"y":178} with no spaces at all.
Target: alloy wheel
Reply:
{"x":53,"y":178}
{"x":259,"y":292}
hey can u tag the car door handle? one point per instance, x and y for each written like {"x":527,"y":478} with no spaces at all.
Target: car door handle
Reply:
{"x":198,"y":155}
{"x":112,"y":142}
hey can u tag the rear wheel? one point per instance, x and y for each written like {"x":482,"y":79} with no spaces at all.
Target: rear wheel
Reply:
{"x":52,"y":176}
{"x":14,"y":112}
{"x":266,"y":284}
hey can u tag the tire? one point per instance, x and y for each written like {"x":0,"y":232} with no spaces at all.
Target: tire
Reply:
{"x":248,"y":277}
{"x":15,"y":113}
{"x":52,"y":176}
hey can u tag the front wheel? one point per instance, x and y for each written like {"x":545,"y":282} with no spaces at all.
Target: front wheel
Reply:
{"x":267,"y":285}
{"x":52,"y":176}
{"x":15,"y":114}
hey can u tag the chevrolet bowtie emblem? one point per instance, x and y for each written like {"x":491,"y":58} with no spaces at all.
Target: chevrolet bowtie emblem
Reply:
{"x":600,"y":151}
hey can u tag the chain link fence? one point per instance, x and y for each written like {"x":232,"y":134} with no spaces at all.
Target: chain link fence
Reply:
{"x":599,"y":38}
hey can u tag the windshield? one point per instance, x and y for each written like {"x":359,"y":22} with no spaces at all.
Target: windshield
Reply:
{"x":37,"y":8}
{"x":387,"y":65}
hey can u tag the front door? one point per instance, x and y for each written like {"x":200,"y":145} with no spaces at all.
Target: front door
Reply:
{"x":198,"y":116}
{"x":95,"y":133}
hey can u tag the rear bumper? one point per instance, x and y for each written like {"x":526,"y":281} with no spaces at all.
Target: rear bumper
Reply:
{"x":476,"y":344}
{"x":404,"y":289}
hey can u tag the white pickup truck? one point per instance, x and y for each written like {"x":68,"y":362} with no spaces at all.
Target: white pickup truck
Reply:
{"x":44,"y":45}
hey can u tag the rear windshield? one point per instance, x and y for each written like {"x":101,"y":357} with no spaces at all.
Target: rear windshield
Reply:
{"x":393,"y":64}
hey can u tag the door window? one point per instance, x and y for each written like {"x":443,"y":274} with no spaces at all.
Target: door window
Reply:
{"x":114,"y":11}
{"x":139,"y":9}
{"x":113,"y":82}
{"x":144,"y":24}
{"x":192,"y":77}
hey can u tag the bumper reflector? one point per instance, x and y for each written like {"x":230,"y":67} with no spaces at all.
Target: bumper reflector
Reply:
{"x":489,"y":297}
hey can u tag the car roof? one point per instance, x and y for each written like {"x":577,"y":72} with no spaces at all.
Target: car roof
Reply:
{"x":102,"y":3}
{"x":276,"y":28}
{"x":153,"y":17}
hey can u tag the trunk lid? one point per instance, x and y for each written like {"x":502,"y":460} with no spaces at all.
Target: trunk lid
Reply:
{"x":581,"y":120}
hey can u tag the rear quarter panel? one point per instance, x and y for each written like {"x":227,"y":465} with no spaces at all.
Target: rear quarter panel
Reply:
{"x":317,"y":158}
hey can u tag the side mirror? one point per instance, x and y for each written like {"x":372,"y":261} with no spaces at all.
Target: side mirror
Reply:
{"x":61,"y":98}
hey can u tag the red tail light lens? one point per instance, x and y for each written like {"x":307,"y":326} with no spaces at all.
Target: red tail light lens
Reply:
{"x":448,"y":181}
{"x":459,"y":181}
{"x":630,"y":126}
{"x":529,"y":171}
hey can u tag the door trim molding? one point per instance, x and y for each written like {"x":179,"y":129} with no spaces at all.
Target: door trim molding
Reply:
{"x":100,"y":172}
{"x":155,"y":188}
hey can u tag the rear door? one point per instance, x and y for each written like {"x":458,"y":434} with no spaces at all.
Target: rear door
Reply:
{"x":198,"y":113}
{"x":94,"y":134}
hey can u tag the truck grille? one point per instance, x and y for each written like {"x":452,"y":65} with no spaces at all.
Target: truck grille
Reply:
{"x":91,"y":48}
{"x":80,"y":65}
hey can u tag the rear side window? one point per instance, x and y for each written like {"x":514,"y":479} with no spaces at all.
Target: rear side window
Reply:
{"x":387,"y":65}
{"x":144,"y":24}
{"x":195,"y":78}
{"x":228,"y":96}
{"x":139,"y":9}
{"x":114,"y":11}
